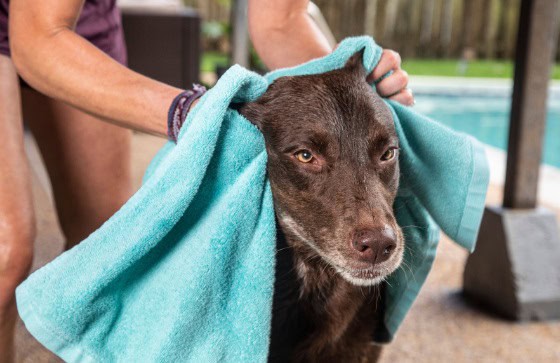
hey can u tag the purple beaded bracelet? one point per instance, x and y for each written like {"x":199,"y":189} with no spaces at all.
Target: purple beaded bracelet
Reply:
{"x":179,"y":109}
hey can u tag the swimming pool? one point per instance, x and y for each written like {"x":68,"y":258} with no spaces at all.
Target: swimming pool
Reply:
{"x":485,"y":115}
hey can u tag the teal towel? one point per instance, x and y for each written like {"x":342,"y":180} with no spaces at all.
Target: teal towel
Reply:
{"x":184,"y":271}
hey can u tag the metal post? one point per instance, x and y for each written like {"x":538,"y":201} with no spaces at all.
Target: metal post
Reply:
{"x":240,"y":33}
{"x":514,"y":269}
{"x":533,"y":58}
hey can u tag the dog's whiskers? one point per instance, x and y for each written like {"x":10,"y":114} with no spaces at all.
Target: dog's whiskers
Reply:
{"x":284,"y":248}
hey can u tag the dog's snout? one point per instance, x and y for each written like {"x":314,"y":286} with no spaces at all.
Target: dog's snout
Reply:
{"x":375,"y":245}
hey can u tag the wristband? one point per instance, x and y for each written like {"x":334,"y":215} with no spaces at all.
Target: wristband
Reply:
{"x":179,"y":109}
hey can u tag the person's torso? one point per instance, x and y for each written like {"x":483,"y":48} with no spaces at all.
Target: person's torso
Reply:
{"x":98,"y":18}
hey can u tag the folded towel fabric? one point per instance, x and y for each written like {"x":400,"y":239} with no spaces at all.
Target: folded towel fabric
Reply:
{"x":184,"y":271}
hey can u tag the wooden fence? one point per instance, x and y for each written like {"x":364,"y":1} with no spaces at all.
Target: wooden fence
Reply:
{"x":417,"y":28}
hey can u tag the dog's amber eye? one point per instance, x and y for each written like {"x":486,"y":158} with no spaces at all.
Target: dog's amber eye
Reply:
{"x":304,"y":156}
{"x":389,"y":154}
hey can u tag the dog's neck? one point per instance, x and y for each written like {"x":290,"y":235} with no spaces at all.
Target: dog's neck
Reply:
{"x":317,"y":277}
{"x":337,"y":309}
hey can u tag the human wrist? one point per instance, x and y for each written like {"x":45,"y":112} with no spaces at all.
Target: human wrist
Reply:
{"x":179,"y":109}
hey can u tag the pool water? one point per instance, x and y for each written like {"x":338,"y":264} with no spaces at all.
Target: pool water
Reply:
{"x":487,"y":119}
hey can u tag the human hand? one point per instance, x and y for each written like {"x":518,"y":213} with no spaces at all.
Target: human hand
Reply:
{"x":395,"y":85}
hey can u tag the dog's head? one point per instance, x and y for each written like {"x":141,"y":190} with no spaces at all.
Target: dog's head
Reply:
{"x":333,"y":168}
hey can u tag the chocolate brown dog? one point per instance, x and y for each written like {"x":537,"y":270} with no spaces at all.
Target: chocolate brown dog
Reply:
{"x":333,"y":168}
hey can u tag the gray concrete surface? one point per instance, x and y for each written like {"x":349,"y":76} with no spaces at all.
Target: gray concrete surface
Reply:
{"x":441,"y":326}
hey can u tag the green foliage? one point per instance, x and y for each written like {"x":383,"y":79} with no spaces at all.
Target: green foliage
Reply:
{"x":418,"y":67}
{"x":456,"y":68}
{"x":255,"y":61}
{"x":210,"y":60}
{"x":225,"y":3}
{"x":214,"y":30}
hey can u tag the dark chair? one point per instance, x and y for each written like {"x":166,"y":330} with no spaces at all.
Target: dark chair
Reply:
{"x":164,"y":44}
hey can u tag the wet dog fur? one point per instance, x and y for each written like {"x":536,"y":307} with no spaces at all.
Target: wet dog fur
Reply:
{"x":333,"y":168}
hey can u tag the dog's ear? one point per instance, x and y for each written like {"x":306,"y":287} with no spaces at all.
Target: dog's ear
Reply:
{"x":252,"y":111}
{"x":355,"y":63}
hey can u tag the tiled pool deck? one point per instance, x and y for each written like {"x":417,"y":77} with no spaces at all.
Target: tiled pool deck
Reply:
{"x":441,"y":327}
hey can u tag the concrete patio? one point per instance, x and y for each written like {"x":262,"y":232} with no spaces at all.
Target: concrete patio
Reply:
{"x":441,"y":326}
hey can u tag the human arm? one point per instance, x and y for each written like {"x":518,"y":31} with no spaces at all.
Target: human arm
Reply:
{"x":284,"y":35}
{"x":55,"y":60}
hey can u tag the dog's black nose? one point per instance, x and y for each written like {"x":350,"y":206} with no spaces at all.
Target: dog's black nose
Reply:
{"x":375,"y":245}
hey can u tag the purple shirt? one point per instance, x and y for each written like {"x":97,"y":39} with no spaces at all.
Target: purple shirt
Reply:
{"x":99,"y":23}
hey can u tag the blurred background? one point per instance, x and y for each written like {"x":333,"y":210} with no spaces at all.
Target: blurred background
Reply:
{"x":460,"y":56}
{"x":469,"y":42}
{"x":472,"y":38}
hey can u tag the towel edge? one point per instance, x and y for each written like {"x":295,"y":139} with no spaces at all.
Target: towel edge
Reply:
{"x":42,"y":331}
{"x":475,"y":202}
